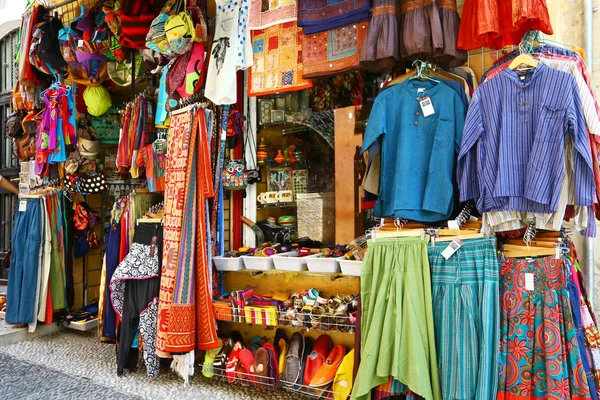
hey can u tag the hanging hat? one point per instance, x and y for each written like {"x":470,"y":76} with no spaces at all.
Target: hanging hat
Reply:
{"x":88,"y":148}
{"x":97,"y":100}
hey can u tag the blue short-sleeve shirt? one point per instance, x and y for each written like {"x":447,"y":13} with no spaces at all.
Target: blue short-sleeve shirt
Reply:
{"x":417,"y":152}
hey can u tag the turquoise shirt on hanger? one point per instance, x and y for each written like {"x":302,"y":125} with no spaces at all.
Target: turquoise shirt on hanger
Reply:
{"x":418,"y":153}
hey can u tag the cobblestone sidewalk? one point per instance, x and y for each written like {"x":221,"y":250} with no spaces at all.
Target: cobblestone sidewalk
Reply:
{"x":72,"y":365}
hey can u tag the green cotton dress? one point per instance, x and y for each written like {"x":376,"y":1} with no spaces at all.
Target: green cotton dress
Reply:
{"x":397,"y":319}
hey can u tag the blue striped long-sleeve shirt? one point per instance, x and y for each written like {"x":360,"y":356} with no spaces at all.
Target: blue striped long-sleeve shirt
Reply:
{"x":513,"y":144}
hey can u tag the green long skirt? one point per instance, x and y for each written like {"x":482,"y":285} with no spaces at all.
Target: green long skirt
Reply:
{"x":397,"y":319}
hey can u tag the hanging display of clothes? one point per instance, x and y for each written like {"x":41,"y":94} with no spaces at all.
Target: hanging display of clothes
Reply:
{"x":38,"y":281}
{"x":134,"y":288}
{"x":498,"y":23}
{"x":466,"y":318}
{"x":416,"y":176}
{"x":527,"y":184}
{"x":119,"y":235}
{"x":185,"y":320}
{"x":537,"y":332}
{"x":231,"y":51}
{"x":24,"y":262}
{"x":397,"y":323}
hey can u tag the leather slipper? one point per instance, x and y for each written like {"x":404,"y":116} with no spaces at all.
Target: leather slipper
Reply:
{"x":317,"y":357}
{"x":283,"y":347}
{"x":308,"y":347}
{"x":241,"y":375}
{"x":247,"y":360}
{"x":293,"y":359}
{"x":279,"y":334}
{"x":233,"y":361}
{"x":326,"y":373}
{"x":273,"y":361}
{"x":261,"y":368}
{"x":342,"y":384}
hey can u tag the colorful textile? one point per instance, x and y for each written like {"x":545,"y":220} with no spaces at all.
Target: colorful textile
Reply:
{"x":318,"y":15}
{"x":174,"y":334}
{"x":206,"y":330}
{"x":276,"y":12}
{"x":334,"y":51}
{"x":155,"y":168}
{"x":539,"y":353}
{"x":261,"y":315}
{"x":591,"y":333}
{"x":277,"y":60}
{"x":397,"y":330}
{"x":467,"y":318}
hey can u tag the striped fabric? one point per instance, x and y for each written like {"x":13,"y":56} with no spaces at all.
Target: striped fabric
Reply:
{"x":512,"y":151}
{"x":261,"y":315}
{"x":466,"y":318}
{"x":539,"y":49}
{"x":587,"y":101}
{"x":502,"y":221}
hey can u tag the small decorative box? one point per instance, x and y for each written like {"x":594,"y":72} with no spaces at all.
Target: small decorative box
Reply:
{"x":265,"y":106}
{"x":277,"y":116}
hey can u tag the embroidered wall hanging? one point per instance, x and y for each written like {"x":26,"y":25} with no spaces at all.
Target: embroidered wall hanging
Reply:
{"x":334,"y":51}
{"x":277,"y":60}
{"x":266,"y":13}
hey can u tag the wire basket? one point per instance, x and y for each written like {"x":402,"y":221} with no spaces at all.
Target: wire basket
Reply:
{"x":293,"y":317}
{"x":273,"y":384}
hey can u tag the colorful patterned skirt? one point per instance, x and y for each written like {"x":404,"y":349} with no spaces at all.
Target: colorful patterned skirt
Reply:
{"x":539,"y":351}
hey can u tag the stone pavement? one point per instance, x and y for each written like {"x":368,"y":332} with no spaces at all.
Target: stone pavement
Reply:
{"x":72,"y":365}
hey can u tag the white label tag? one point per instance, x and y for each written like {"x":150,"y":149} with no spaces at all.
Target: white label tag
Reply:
{"x":22,"y":205}
{"x":421,"y":90}
{"x":80,"y":43}
{"x":426,"y":106}
{"x":473,"y":218}
{"x":558,"y":253}
{"x":452,"y":248}
{"x":529,"y":281}
{"x":453,"y":224}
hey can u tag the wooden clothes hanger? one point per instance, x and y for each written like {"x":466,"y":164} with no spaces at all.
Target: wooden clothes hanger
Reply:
{"x":525,"y":60}
{"x":515,"y":251}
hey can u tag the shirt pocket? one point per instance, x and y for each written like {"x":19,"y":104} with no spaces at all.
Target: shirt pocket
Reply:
{"x":550,"y":123}
{"x":441,"y":139}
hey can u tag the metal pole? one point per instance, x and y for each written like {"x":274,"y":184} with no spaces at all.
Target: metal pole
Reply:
{"x":588,"y":12}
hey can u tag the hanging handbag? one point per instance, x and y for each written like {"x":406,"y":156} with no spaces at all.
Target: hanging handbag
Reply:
{"x":235,"y":176}
{"x":254,"y":175}
{"x":12,"y":126}
{"x":26,"y":147}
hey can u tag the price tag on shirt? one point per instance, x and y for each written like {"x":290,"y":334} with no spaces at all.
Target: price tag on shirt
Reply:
{"x":529,"y":281}
{"x":426,"y":106}
{"x":452,"y":248}
{"x":453,"y":224}
{"x":22,"y":205}
{"x":80,"y":43}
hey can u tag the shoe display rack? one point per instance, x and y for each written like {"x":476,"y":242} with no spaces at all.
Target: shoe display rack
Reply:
{"x":335,"y":318}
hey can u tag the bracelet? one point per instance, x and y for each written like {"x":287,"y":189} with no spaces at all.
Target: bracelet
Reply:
{"x":317,"y":313}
